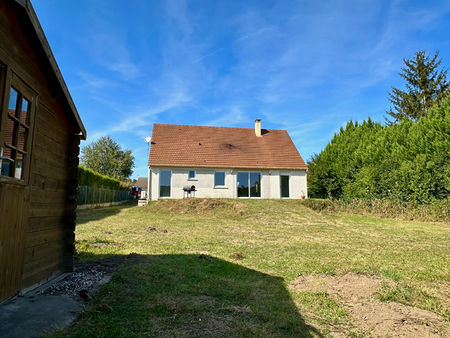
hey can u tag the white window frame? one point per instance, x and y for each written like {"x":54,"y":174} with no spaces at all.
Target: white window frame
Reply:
{"x":224,"y":179}
{"x":192,"y":178}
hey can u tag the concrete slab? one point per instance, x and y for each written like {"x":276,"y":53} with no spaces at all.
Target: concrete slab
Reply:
{"x":34,"y":315}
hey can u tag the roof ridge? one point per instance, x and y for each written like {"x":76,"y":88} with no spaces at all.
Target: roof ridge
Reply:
{"x":197,"y":126}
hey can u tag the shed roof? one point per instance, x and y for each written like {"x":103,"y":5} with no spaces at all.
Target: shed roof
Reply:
{"x":222,"y":147}
{"x":40,"y":36}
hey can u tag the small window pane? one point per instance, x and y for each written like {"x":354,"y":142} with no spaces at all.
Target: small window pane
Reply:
{"x":22,"y":142}
{"x":219,"y":178}
{"x":6,"y":161}
{"x":12,"y":101}
{"x":24,"y":115}
{"x":20,"y":166}
{"x":10,"y":132}
{"x":191,"y":173}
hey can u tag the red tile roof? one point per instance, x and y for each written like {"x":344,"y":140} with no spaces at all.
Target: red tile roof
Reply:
{"x":222,"y":147}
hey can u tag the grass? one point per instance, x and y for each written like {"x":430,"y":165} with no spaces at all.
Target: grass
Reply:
{"x":222,"y":267}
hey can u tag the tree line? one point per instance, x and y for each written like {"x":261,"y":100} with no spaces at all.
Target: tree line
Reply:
{"x":407,"y":158}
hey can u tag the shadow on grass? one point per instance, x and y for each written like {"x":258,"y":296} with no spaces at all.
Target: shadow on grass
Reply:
{"x":190,"y":295}
{"x":95,"y":214}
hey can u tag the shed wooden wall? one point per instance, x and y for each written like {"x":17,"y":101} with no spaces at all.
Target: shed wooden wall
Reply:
{"x":51,"y":193}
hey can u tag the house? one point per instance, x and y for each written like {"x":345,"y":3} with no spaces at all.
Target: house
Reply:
{"x":224,"y":162}
{"x":142,"y":185}
{"x":142,"y":182}
{"x":40,"y":132}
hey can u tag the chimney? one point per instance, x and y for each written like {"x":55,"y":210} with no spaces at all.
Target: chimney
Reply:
{"x":258,"y":127}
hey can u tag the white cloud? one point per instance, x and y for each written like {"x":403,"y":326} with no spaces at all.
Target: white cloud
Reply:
{"x":231,"y":117}
{"x":94,"y":82}
{"x":137,"y":119}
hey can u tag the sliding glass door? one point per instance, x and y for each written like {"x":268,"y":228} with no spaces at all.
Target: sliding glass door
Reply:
{"x":165,"y":177}
{"x":248,"y":184}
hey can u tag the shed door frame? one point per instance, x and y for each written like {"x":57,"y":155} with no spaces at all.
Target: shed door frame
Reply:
{"x":14,"y":193}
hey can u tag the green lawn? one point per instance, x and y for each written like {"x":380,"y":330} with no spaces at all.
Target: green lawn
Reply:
{"x":222,"y":267}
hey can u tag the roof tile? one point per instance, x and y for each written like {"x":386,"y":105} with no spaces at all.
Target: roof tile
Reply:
{"x":222,"y":147}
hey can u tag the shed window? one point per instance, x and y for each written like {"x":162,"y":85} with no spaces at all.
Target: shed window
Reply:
{"x":191,"y":174}
{"x":219,"y":178}
{"x":14,"y":150}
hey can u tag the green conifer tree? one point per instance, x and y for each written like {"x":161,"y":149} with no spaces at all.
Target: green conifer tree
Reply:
{"x":426,"y":85}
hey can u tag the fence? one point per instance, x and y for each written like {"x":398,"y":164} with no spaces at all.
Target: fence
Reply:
{"x":94,"y":195}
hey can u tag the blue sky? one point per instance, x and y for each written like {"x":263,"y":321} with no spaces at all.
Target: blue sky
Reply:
{"x":304,"y":66}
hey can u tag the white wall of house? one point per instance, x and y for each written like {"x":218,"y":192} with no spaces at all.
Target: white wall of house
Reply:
{"x":204,"y":182}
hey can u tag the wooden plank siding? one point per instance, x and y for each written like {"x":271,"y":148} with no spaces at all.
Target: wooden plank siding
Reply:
{"x":47,"y":201}
{"x":13,"y":219}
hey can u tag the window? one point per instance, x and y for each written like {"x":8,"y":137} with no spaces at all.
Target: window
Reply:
{"x":248,"y":184}
{"x":14,"y":152}
{"x":255,"y":185}
{"x":165,"y":177}
{"x":191,"y":175}
{"x":219,"y":178}
{"x":284,"y":186}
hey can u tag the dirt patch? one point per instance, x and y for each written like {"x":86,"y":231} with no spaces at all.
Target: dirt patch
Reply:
{"x":358,"y":294}
{"x":237,"y":256}
{"x":153,"y":229}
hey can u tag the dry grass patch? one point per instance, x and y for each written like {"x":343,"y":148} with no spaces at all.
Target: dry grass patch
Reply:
{"x":193,"y":244}
{"x":199,"y":206}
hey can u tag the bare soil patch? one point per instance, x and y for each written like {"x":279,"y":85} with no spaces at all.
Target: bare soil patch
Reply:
{"x":237,"y":256}
{"x":358,"y":294}
{"x":153,"y":229}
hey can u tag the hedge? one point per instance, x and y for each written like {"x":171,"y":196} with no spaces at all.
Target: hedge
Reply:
{"x":406,"y":162}
{"x":90,"y":178}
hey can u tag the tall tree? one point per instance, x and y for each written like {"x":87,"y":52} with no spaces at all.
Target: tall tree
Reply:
{"x":106,"y":157}
{"x":426,"y":85}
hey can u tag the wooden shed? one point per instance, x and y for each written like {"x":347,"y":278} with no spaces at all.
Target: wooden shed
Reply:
{"x":40,"y":132}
